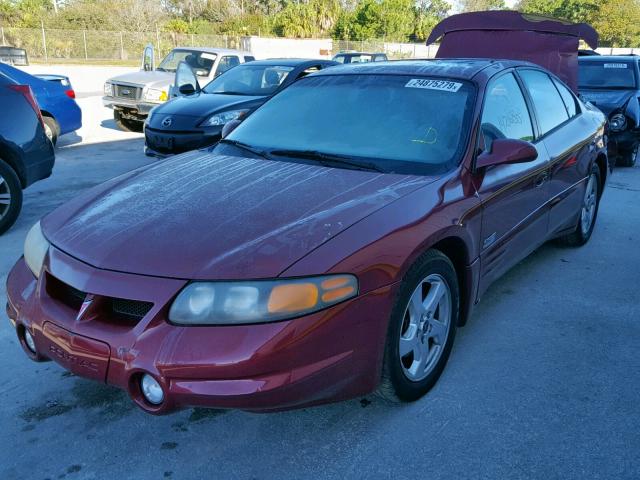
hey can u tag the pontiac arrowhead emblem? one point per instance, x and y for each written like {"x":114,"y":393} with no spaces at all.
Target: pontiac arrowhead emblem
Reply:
{"x":88,"y":300}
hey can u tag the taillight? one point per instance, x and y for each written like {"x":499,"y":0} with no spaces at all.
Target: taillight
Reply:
{"x":28,"y":94}
{"x":70,"y":93}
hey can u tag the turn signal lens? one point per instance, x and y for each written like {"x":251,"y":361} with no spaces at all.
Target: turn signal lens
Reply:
{"x":293,"y":298}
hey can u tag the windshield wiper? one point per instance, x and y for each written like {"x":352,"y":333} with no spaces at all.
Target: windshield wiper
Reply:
{"x":328,"y":159}
{"x":244,"y":146}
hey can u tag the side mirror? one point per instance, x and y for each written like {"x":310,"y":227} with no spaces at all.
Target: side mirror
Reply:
{"x":506,"y":151}
{"x":187,"y":89}
{"x":230,"y":127}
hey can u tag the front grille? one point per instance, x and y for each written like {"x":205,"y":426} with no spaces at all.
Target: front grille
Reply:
{"x":107,"y":309}
{"x":127,"y":91}
{"x":132,"y":309}
{"x":66,"y":294}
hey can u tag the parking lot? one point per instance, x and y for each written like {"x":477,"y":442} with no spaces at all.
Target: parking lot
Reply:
{"x":543,"y":382}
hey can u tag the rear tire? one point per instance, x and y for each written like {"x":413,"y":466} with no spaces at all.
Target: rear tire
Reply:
{"x":421,"y":329}
{"x":629,"y":159}
{"x":588,"y":212}
{"x":51,"y":129}
{"x":10,"y":197}
{"x":127,"y":125}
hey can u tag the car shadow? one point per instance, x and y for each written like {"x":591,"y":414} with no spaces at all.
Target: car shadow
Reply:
{"x":110,"y":124}
{"x":69,"y":139}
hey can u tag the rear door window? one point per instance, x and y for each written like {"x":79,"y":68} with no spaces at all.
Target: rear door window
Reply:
{"x":226,"y":63}
{"x":550,"y":109}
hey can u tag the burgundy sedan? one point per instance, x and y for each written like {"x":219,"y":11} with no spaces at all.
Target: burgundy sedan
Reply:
{"x":326,"y":248}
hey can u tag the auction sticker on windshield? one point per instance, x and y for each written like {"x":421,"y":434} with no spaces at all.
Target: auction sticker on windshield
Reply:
{"x":444,"y":85}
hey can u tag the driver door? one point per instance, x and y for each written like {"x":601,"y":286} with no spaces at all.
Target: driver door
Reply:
{"x":185,"y":81}
{"x":148,"y":59}
{"x":514,"y":197}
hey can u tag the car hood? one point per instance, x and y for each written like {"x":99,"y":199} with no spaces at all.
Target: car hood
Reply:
{"x":154,"y":79}
{"x":207,"y":216}
{"x":201,"y":104}
{"x":607,"y":100}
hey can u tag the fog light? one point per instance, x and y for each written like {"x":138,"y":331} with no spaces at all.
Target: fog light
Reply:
{"x":151,"y":390}
{"x":28,"y":339}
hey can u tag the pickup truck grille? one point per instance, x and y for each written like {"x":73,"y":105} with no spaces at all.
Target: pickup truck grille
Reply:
{"x":127,"y":91}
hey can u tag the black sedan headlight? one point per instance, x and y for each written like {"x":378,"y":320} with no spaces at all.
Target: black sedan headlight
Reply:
{"x":617,"y":122}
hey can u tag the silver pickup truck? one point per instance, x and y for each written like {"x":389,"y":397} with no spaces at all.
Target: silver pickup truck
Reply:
{"x":133,"y":95}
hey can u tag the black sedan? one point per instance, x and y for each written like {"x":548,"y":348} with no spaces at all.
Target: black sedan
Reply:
{"x":26,"y":154}
{"x":195,"y":118}
{"x":612,"y":83}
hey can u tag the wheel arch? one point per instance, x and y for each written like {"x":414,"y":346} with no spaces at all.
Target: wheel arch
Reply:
{"x":13,"y":160}
{"x":602,"y":163}
{"x":456,"y":245}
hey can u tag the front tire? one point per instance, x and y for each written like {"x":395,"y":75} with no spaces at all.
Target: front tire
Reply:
{"x":126,"y":124}
{"x":421,"y":329}
{"x":10,"y":197}
{"x":588,"y":212}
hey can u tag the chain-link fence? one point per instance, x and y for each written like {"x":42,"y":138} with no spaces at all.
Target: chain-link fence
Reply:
{"x":51,"y":45}
{"x":56,"y":45}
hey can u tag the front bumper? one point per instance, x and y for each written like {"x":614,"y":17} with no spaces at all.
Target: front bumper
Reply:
{"x":133,"y":107}
{"x":622,"y":142}
{"x":166,"y":142}
{"x":331,"y":355}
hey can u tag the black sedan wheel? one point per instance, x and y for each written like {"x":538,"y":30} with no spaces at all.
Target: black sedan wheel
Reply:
{"x":10,"y":197}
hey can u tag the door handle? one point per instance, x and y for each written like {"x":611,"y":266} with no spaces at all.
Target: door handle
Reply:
{"x":542,"y":179}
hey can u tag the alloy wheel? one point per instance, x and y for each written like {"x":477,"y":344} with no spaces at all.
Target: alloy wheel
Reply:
{"x":5,"y":197}
{"x":588,"y":212}
{"x":425,"y":327}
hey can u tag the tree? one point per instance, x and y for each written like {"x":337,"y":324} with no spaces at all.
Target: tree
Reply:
{"x":482,"y":5}
{"x":428,"y":14}
{"x":618,"y":23}
{"x":572,"y":10}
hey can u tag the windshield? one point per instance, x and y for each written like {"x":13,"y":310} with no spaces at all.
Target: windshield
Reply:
{"x":363,"y":58}
{"x":399,"y":123}
{"x":200,"y":62}
{"x":250,"y":80}
{"x":606,"y":74}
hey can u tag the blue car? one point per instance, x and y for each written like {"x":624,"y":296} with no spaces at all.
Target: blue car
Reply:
{"x":55,"y":97}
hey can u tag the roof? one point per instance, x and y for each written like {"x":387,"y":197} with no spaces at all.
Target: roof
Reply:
{"x":289,"y":62}
{"x":213,"y":50}
{"x":462,"y":68}
{"x":354,"y":53}
{"x":607,"y":58}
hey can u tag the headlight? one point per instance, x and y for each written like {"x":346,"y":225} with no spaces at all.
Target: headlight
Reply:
{"x":617,"y":122}
{"x":108,"y":89}
{"x":233,"y":303}
{"x":35,"y":249}
{"x":156,"y":95}
{"x":223,"y":118}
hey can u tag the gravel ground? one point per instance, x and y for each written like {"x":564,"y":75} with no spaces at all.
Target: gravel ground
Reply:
{"x":544,"y":381}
